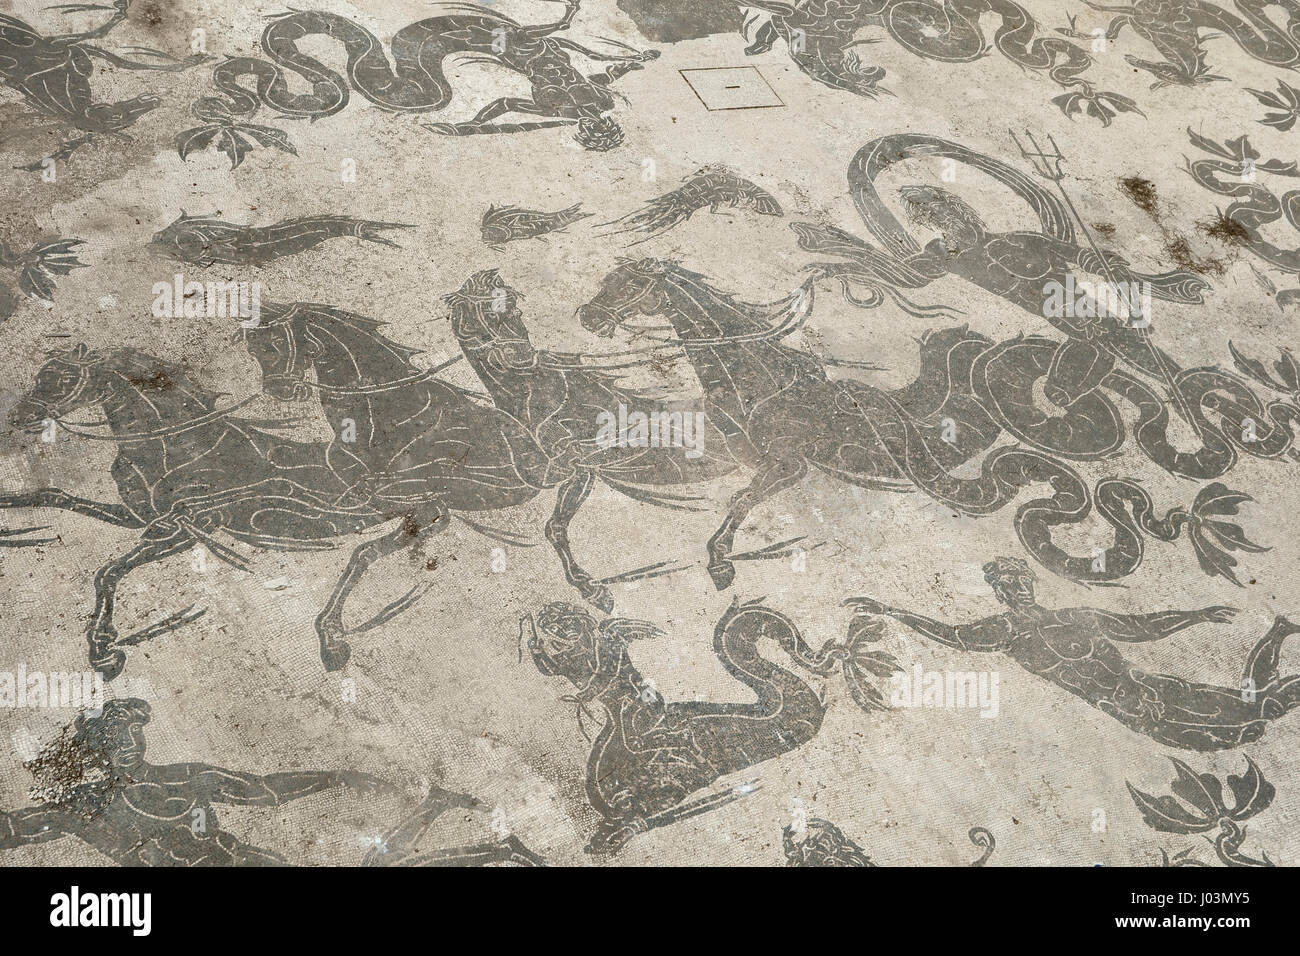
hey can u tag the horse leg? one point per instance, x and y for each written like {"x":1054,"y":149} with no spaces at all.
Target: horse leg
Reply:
{"x":119,"y":515}
{"x":102,"y":635}
{"x":165,"y":62}
{"x":99,"y":32}
{"x":572,"y":493}
{"x":507,"y":104}
{"x":393,"y":848}
{"x":773,"y":476}
{"x":334,"y":650}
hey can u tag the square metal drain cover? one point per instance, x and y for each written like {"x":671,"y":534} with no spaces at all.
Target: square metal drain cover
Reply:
{"x":731,"y":88}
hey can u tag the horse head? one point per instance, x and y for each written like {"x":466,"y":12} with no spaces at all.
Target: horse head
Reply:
{"x":486,"y":321}
{"x":633,"y":289}
{"x":69,"y":380}
{"x":344,"y":349}
{"x":129,"y":383}
{"x":282,"y":344}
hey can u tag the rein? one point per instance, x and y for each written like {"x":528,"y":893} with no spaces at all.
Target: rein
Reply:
{"x":216,"y":413}
{"x":789,"y":323}
{"x":378,"y":386}
{"x":599,"y":360}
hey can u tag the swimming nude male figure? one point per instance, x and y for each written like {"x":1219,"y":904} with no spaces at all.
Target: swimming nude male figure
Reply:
{"x":144,"y":814}
{"x":1075,"y":649}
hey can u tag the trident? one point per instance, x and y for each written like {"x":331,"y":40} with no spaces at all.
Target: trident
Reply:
{"x":1048,"y":165}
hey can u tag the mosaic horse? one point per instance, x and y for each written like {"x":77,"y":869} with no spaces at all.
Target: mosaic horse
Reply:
{"x":562,"y":399}
{"x":403,"y":434}
{"x":781,"y":415}
{"x":188,"y":471}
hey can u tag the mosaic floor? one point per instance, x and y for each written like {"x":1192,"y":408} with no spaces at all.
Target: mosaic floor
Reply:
{"x":848,"y":432}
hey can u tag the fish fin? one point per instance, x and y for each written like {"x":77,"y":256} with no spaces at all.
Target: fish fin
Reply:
{"x":765,"y":204}
{"x":373,"y":232}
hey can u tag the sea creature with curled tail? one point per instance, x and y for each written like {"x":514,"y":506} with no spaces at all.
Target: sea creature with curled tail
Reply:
{"x":410,"y":78}
{"x":651,"y":755}
{"x":205,"y":240}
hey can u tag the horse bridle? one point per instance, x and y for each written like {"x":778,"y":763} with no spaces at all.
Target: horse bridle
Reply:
{"x":83,"y":364}
{"x":792,"y":321}
{"x":371,"y":389}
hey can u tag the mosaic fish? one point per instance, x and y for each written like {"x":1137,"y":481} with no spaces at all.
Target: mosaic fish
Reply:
{"x":711,"y":187}
{"x":508,"y":223}
{"x":205,"y":240}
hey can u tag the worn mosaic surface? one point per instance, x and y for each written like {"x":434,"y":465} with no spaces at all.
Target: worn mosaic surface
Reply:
{"x":847,"y":432}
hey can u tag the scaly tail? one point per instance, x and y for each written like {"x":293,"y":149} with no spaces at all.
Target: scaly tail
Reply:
{"x":1128,"y":508}
{"x":1122,"y":502}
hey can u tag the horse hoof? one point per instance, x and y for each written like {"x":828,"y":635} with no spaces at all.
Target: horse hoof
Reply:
{"x":335,"y":656}
{"x":109,"y":665}
{"x":723,"y":574}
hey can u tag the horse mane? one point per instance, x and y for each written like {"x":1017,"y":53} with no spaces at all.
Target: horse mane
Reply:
{"x":632,"y":397}
{"x":478,"y":288}
{"x":13,"y":21}
{"x":759,"y":312}
{"x":148,"y":371}
{"x":364,"y":324}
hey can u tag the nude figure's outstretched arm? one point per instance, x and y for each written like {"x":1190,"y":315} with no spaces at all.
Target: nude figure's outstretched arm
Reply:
{"x":272,"y":789}
{"x":986,"y":634}
{"x":33,"y":825}
{"x":1140,"y":628}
